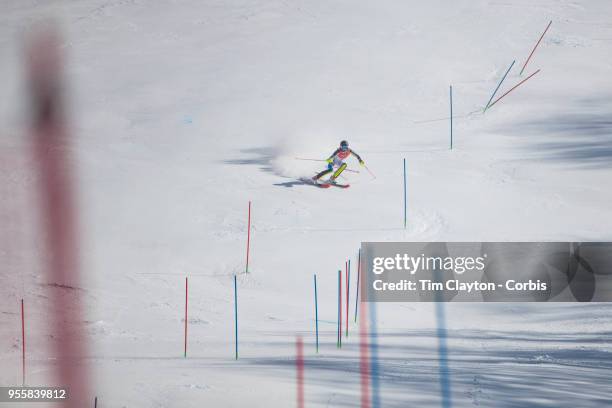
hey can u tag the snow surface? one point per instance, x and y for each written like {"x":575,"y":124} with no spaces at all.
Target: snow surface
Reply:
{"x":183,"y":111}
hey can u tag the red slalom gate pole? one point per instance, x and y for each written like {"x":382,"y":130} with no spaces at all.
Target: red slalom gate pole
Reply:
{"x":299,"y":365}
{"x":340,"y":310}
{"x":23,"y":345}
{"x":347,"y":277}
{"x":248,"y":239}
{"x":534,"y":48}
{"x":513,"y":88}
{"x":186,"y":297}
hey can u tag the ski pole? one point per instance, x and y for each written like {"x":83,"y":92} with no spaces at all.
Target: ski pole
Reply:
{"x":301,"y":158}
{"x":369,"y":171}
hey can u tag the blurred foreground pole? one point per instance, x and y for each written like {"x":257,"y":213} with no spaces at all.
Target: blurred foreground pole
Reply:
{"x":299,"y":365}
{"x":364,"y":359}
{"x":51,"y":147}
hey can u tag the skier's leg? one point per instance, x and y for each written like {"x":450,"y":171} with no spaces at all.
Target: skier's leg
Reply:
{"x":328,"y":170}
{"x":338,"y":172}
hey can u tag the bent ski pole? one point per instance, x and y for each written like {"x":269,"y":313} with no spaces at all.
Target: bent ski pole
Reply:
{"x":301,"y":158}
{"x":370,"y":171}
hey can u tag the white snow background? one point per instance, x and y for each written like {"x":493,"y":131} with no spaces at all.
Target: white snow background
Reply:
{"x":183,"y":111}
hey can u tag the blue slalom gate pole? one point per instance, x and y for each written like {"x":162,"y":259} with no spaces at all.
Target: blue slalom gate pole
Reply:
{"x":316,"y":313}
{"x":498,"y":85}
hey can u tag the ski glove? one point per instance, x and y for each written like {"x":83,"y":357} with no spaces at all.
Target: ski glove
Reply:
{"x":361,"y":163}
{"x":330,"y":160}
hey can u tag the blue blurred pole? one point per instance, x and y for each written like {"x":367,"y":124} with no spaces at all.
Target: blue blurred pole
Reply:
{"x":443,"y":367}
{"x":498,"y":85}
{"x":316,"y":312}
{"x":405,"y":199}
{"x":236,"y":313}
{"x":445,"y":386}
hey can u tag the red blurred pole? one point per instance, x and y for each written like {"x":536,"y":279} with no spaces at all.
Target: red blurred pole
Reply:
{"x":51,"y":143}
{"x":248,"y":239}
{"x":23,"y":345}
{"x":186,"y":297}
{"x":299,"y":363}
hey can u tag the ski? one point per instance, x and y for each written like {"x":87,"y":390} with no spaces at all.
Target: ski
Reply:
{"x":315,"y":183}
{"x":327,"y":184}
{"x":340,"y":185}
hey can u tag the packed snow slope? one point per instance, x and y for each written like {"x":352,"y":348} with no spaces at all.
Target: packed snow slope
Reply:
{"x":182,"y":112}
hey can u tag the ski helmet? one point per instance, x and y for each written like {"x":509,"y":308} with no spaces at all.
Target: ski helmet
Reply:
{"x":344,"y":145}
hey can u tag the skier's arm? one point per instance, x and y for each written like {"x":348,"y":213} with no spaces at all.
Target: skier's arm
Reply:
{"x":331,"y":158}
{"x":357,"y":156}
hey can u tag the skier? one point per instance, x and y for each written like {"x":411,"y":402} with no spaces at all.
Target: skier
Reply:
{"x":336,"y":160}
